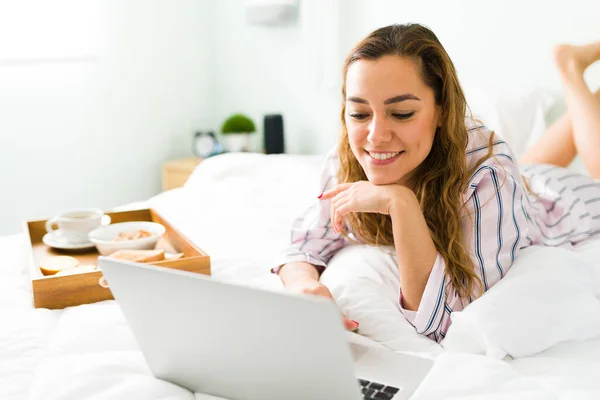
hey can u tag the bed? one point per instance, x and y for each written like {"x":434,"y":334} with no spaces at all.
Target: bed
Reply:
{"x":535,"y":335}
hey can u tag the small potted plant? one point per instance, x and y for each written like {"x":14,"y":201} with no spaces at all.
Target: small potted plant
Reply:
{"x":236,"y":132}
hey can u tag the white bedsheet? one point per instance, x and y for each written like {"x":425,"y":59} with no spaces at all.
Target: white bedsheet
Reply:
{"x":239,"y":208}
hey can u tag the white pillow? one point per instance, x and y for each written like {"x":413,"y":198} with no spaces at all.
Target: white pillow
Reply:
{"x":546,"y":298}
{"x":365,"y":283}
{"x":516,"y":114}
{"x":246,"y":199}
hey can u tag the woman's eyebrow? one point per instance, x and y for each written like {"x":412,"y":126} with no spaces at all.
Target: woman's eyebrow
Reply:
{"x":395,"y":99}
{"x":402,"y":97}
{"x":357,"y":100}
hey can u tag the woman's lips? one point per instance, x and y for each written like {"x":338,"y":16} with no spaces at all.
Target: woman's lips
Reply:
{"x":387,"y":161}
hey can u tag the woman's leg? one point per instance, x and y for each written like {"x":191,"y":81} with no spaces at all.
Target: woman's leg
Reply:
{"x":579,"y":130}
{"x":555,"y":146}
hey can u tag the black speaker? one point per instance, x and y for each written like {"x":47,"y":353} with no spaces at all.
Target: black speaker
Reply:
{"x":273,"y":129}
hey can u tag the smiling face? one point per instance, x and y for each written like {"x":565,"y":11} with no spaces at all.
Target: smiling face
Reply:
{"x":391,"y":117}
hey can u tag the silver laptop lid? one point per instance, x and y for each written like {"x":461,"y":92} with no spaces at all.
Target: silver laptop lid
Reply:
{"x":233,"y":341}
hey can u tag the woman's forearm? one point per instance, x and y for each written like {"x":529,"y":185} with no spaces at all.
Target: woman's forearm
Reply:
{"x":414,"y":247}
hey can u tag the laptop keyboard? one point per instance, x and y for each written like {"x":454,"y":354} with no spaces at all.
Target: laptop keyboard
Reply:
{"x":377,"y":391}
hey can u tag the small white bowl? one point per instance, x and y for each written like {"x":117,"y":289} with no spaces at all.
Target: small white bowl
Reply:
{"x":104,"y":237}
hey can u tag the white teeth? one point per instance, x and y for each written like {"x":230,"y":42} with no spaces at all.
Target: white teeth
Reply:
{"x":383,"y":156}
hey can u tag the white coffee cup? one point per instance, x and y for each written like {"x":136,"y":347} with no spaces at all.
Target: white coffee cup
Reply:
{"x":74,"y":226}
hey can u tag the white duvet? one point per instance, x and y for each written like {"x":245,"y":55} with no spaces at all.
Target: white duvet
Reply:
{"x":535,"y":335}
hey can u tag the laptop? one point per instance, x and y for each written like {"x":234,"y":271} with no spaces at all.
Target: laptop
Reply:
{"x":244,"y":343}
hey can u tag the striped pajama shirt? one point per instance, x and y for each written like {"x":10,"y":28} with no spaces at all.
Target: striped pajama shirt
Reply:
{"x":501,"y":217}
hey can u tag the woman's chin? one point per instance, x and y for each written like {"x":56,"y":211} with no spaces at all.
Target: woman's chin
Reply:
{"x":379,"y":179}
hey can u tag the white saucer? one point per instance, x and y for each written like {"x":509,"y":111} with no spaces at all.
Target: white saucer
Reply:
{"x":59,"y":242}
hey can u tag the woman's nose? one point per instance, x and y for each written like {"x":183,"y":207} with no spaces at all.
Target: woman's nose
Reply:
{"x":379,"y":132}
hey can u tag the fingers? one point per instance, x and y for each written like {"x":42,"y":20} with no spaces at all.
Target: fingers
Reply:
{"x":350,"y":324}
{"x":334,"y":191}
{"x":317,"y":290}
{"x":340,"y":213}
{"x":338,"y":193}
{"x":340,"y":207}
{"x":322,"y":290}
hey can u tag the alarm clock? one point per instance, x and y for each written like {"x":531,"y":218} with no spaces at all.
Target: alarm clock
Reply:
{"x":205,"y":144}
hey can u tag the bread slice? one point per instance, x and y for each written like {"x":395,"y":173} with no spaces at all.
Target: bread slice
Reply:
{"x":142,"y":256}
{"x":52,"y":265}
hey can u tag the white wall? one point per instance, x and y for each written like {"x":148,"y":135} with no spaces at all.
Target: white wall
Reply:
{"x":91,"y":129}
{"x":278,"y":69}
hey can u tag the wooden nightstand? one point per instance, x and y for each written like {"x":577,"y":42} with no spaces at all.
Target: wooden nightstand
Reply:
{"x":176,"y":172}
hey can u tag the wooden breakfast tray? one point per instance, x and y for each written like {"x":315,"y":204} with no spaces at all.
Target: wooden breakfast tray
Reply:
{"x":57,"y":292}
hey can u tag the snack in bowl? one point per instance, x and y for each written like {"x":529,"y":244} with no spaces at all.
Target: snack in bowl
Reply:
{"x":109,"y":239}
{"x":133,"y":235}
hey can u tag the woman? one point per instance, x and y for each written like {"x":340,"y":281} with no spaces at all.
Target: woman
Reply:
{"x":410,"y":172}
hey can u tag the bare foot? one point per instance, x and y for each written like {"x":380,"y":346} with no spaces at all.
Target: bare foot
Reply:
{"x":575,"y":59}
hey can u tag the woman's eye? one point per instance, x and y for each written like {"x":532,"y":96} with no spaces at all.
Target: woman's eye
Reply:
{"x":403,"y":116}
{"x":359,"y":116}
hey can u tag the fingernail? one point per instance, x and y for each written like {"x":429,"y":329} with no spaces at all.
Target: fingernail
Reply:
{"x":319,"y":196}
{"x":357,"y":324}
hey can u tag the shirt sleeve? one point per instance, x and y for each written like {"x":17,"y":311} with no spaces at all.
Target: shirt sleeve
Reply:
{"x":494,"y":230}
{"x":313,"y":239}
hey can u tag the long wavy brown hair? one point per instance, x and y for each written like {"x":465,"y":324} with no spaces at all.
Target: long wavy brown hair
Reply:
{"x":441,"y":179}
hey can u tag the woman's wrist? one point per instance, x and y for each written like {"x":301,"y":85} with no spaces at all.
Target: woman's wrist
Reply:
{"x":295,"y":271}
{"x":400,"y":198}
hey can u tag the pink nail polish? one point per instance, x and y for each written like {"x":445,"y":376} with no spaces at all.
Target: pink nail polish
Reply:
{"x":357,"y":324}
{"x":319,"y":196}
